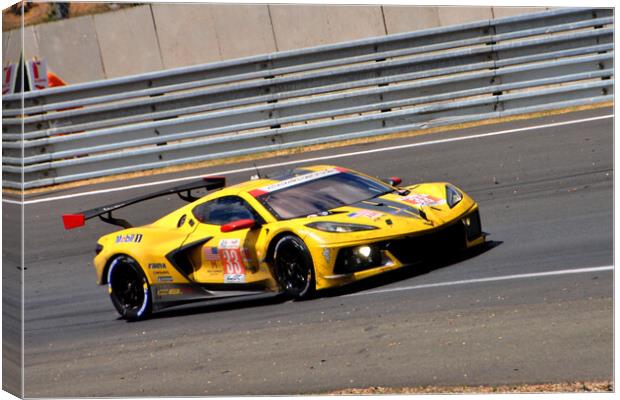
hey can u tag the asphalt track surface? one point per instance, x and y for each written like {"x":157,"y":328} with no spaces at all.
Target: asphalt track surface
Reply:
{"x":545,"y":196}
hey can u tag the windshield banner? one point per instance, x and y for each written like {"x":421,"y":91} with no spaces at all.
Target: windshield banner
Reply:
{"x":296,"y":181}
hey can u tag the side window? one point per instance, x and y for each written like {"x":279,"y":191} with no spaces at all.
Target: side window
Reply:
{"x":224,"y":210}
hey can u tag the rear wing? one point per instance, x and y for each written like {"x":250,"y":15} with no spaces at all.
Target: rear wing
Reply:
{"x":71,"y":221}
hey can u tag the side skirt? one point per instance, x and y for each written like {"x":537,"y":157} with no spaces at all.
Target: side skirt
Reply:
{"x":174,"y":294}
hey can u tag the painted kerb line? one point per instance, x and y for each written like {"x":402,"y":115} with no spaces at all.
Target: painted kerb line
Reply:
{"x":490,"y":279}
{"x":322,"y":158}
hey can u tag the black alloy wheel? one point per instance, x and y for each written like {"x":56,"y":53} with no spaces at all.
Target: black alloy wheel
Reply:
{"x":294,"y":268}
{"x":129,"y":289}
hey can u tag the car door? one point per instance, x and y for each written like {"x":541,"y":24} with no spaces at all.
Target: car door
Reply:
{"x":229,"y":256}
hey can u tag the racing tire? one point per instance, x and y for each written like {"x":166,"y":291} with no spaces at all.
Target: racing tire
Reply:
{"x":294,"y":268}
{"x":129,"y":289}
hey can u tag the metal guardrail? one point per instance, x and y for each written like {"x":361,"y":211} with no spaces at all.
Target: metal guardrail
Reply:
{"x":290,"y":99}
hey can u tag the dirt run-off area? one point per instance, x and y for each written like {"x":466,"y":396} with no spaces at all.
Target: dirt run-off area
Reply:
{"x":570,"y":387}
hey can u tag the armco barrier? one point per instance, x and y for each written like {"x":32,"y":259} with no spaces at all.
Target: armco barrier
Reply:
{"x":356,"y":89}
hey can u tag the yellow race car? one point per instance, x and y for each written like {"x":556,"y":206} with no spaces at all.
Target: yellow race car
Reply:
{"x":297,"y":232}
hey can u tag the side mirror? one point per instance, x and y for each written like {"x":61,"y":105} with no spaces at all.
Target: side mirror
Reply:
{"x":237,"y":225}
{"x":392,"y":181}
{"x":396,"y":181}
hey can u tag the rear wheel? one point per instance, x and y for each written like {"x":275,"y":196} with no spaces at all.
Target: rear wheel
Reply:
{"x":294,"y":267}
{"x":129,"y":289}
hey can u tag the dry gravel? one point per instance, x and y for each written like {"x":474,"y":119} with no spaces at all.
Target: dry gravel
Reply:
{"x":600,"y":386}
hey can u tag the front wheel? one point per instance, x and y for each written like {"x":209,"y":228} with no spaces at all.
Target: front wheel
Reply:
{"x":129,"y":289}
{"x":294,"y":267}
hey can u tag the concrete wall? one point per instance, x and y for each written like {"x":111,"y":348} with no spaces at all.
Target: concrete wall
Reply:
{"x":71,"y":49}
{"x":297,"y":26}
{"x":500,"y":12}
{"x":5,"y":43}
{"x":243,"y":30}
{"x":405,"y":19}
{"x":14,"y":43}
{"x":160,"y":36}
{"x":128,"y":42}
{"x":460,"y":15}
{"x":195,"y":41}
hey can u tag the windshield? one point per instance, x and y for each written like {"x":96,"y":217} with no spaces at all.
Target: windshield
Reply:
{"x":320,"y":195}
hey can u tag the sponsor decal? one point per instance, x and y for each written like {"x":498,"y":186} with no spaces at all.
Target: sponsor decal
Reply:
{"x":169,"y":292}
{"x":230,"y":243}
{"x":157,"y":266}
{"x":129,"y":238}
{"x":165,"y":278}
{"x":374,"y":215}
{"x":160,"y":272}
{"x":296,"y":181}
{"x":423,"y":200}
{"x":214,"y":268}
{"x":232,"y":260}
{"x":234,"y":278}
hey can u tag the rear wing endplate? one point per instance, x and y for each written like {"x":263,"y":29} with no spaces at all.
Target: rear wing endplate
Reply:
{"x":71,"y":221}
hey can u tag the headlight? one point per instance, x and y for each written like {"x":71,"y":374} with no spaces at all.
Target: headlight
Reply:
{"x":354,"y":259}
{"x":453,"y":196}
{"x":339,"y":227}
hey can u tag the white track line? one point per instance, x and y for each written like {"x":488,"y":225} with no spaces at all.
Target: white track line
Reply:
{"x":11,"y":201}
{"x":490,"y":279}
{"x":281,"y":164}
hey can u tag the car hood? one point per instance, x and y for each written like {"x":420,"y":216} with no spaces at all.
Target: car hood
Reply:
{"x":416,"y":210}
